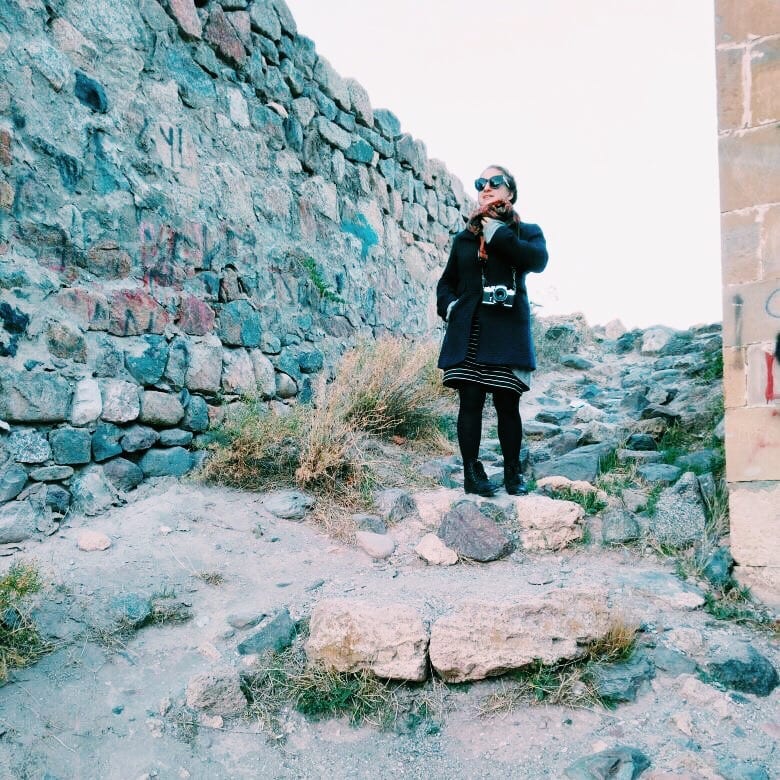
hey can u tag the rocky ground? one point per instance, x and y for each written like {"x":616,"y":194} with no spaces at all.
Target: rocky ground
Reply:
{"x":152,"y":632}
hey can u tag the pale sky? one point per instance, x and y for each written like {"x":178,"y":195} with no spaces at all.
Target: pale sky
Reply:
{"x":604,"y":110}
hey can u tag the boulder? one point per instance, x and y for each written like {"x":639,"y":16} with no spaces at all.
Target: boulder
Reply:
{"x":742,"y":668}
{"x":123,"y":474}
{"x":619,"y":526}
{"x":473,"y":535}
{"x":620,"y":682}
{"x":483,"y":638}
{"x":121,"y":400}
{"x":87,"y":402}
{"x":351,"y":635}
{"x":547,"y":523}
{"x":19,"y":520}
{"x":27,"y":397}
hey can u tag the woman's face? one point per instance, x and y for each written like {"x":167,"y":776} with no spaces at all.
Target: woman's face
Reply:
{"x":491,"y":194}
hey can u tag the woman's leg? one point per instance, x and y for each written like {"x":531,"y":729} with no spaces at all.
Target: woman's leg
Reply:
{"x":510,"y":426}
{"x":472,"y":401}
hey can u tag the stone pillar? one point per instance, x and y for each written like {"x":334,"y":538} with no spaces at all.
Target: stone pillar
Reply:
{"x":747,"y":37}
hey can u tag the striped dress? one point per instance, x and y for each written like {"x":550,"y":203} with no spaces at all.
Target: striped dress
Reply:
{"x":492,"y":377}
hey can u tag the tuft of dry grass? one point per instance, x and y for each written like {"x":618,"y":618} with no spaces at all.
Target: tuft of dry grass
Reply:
{"x":20,"y":642}
{"x":387,"y":389}
{"x":567,"y":683}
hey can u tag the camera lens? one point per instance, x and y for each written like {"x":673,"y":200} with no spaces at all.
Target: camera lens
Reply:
{"x":500,"y":293}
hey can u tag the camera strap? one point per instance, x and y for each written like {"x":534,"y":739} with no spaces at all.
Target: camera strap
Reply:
{"x":483,"y":263}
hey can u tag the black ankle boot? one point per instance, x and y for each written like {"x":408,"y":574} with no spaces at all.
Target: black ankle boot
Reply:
{"x":475,"y":480}
{"x":513,"y":480}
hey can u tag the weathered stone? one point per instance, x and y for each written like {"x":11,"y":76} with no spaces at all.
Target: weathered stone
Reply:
{"x":131,"y":609}
{"x":160,"y":408}
{"x":265,"y":19}
{"x":29,"y":446}
{"x":238,"y":375}
{"x":286,"y":386}
{"x":13,"y":478}
{"x":473,"y":535}
{"x":619,"y":526}
{"x":91,"y":493}
{"x":265,"y":377}
{"x":71,"y":446}
{"x":679,"y":517}
{"x":641,"y":441}
{"x":175,"y":437}
{"x":196,"y":415}
{"x":547,"y":523}
{"x":717,"y":566}
{"x":51,"y":473}
{"x":350,"y":635}
{"x":175,"y":462}
{"x":217,"y":692}
{"x":92,"y":541}
{"x":620,"y":682}
{"x":87,"y":402}
{"x":223,"y":35}
{"x":146,"y":363}
{"x":138,"y":437}
{"x":91,"y":93}
{"x":204,"y":373}
{"x":394,"y":505}
{"x":57,"y":498}
{"x":195,"y":316}
{"x":481,"y":639}
{"x":576,"y":361}
{"x":434,"y":551}
{"x":18,"y":521}
{"x":749,"y":672}
{"x":310,"y":361}
{"x":375,"y":545}
{"x":121,"y":400}
{"x":105,"y":441}
{"x":700,"y":460}
{"x":659,"y":473}
{"x":186,"y":17}
{"x":123,"y":474}
{"x":288,"y":504}
{"x":135,"y":312}
{"x":583,"y":463}
{"x":619,"y":763}
{"x":66,"y":341}
{"x":239,"y":324}
{"x":276,"y":634}
{"x":34,"y":397}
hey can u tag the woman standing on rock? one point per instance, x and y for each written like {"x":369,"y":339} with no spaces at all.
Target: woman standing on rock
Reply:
{"x":488,"y":345}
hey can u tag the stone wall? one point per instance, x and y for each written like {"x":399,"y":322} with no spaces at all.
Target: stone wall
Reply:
{"x":748,"y":68}
{"x":193,"y":203}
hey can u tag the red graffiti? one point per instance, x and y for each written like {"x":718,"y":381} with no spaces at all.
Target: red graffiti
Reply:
{"x":769,"y":392}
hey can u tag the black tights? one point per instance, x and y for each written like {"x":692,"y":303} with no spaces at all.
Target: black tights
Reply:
{"x":510,"y":427}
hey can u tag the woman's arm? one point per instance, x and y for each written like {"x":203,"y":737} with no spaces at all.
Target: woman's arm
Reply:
{"x":528,"y":253}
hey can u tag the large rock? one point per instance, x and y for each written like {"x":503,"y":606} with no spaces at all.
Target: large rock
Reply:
{"x":71,"y":446}
{"x":204,"y":372}
{"x":434,"y":551}
{"x":217,"y":692}
{"x":34,"y":397}
{"x":87,"y":402}
{"x":29,"y":446}
{"x":239,"y":324}
{"x":621,"y":682}
{"x":173,"y":462}
{"x":13,"y":478}
{"x":473,"y":535}
{"x":123,"y":474}
{"x":583,"y":463}
{"x":275,"y":635}
{"x":160,"y":409}
{"x":288,"y":504}
{"x":679,"y":517}
{"x":618,"y":763}
{"x":19,"y":520}
{"x":92,"y":494}
{"x":481,"y":639}
{"x":394,"y":505}
{"x":121,"y":400}
{"x":744,"y":669}
{"x":548,"y":523}
{"x":350,"y":635}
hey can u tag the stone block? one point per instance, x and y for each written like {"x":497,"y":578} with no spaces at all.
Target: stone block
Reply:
{"x":734,"y":377}
{"x":134,"y":312}
{"x":162,"y":409}
{"x":186,"y":17}
{"x":770,"y":243}
{"x":138,"y":437}
{"x":740,"y":240}
{"x":108,"y":261}
{"x":763,"y":374}
{"x":265,"y":378}
{"x":752,"y":444}
{"x":105,"y":441}
{"x":195,"y":316}
{"x":196,"y":415}
{"x":71,"y":446}
{"x":52,"y":473}
{"x":175,"y":437}
{"x":28,"y":397}
{"x":764,"y":91}
{"x":146,"y":359}
{"x":13,"y":478}
{"x":92,"y":494}
{"x":123,"y":474}
{"x":749,"y":168}
{"x":89,"y":308}
{"x":121,"y":400}
{"x":265,"y":20}
{"x":751,"y":312}
{"x":351,"y":635}
{"x":547,"y":523}
{"x":204,"y":373}
{"x":731,"y":97}
{"x":754,"y":511}
{"x":28,"y":446}
{"x":738,"y":20}
{"x":65,"y":340}
{"x":87,"y":402}
{"x":239,"y":324}
{"x":222,"y":34}
{"x":175,"y":462}
{"x":238,"y":375}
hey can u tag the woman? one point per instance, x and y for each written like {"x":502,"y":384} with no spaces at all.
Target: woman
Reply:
{"x":488,"y":346}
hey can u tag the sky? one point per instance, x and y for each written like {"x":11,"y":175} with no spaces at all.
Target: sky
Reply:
{"x":604,"y":110}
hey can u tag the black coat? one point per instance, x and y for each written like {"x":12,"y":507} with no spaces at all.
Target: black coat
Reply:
{"x":505,"y":334}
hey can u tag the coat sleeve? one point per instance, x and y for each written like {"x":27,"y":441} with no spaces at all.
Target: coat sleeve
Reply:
{"x":446,"y":289}
{"x":528,"y":253}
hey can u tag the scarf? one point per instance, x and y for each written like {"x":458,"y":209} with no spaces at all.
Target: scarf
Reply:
{"x":501,"y":210}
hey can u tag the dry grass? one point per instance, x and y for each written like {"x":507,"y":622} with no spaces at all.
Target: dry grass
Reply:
{"x":20,"y":642}
{"x":566,"y":683}
{"x":389,"y":389}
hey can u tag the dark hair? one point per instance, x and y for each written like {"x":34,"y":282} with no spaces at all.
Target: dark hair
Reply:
{"x":510,"y":181}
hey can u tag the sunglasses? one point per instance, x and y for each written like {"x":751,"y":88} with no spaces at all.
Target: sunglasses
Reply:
{"x":494,"y":181}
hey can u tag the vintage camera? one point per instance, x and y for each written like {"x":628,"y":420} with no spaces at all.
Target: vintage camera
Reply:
{"x":498,"y":295}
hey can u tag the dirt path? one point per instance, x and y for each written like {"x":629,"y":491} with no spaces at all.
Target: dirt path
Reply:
{"x":102,"y":707}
